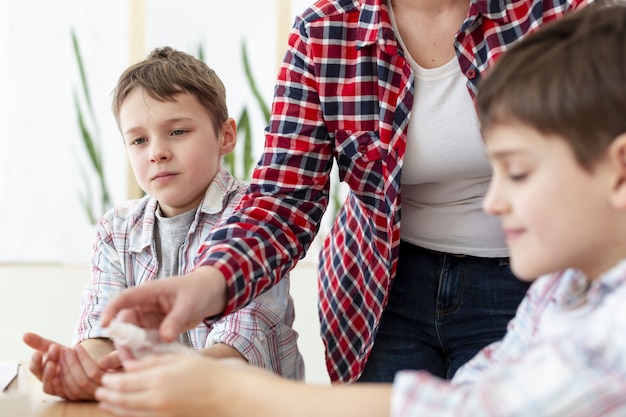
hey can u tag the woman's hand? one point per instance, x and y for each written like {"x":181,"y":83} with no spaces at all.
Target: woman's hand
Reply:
{"x":173,"y":305}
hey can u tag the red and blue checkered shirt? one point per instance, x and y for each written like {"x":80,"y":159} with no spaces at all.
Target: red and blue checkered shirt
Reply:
{"x":344,"y":94}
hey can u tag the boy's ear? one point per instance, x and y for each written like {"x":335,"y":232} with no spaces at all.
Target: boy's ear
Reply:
{"x":229,"y":136}
{"x":617,"y":155}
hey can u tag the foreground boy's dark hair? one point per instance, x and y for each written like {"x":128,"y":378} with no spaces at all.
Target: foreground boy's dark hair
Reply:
{"x":582,"y":95}
{"x":167,"y":72}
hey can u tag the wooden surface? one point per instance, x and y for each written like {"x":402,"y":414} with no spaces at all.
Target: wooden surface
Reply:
{"x":25,"y":398}
{"x":54,"y":407}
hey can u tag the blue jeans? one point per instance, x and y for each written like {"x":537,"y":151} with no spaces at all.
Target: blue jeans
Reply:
{"x":442,"y":310}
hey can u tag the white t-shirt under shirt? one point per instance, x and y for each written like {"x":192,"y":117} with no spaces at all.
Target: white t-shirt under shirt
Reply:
{"x":445,"y":173}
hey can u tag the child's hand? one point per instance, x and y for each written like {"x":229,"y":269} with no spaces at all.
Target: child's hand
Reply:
{"x":79,"y":375}
{"x":69,"y":373}
{"x":185,"y":385}
{"x":44,"y":362}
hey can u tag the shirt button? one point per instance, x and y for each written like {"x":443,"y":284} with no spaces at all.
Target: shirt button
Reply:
{"x":362,"y":148}
{"x":471,"y":74}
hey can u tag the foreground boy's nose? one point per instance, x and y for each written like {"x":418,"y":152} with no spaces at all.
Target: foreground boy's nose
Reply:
{"x":493,"y":203}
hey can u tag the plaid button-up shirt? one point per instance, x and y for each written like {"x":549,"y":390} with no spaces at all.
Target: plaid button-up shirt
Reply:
{"x":125,"y":256}
{"x":344,"y":94}
{"x":556,"y":359}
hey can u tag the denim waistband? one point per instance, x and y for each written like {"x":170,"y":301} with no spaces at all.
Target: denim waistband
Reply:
{"x":455,"y":255}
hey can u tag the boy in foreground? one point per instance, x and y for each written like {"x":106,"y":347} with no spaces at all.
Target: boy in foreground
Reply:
{"x":553,"y":117}
{"x":171,"y":110}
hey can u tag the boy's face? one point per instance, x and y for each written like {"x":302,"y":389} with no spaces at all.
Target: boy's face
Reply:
{"x":172,"y":147}
{"x":555,"y":214}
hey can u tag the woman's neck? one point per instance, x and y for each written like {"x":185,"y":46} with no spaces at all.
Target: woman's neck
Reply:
{"x":427,"y":28}
{"x":430,"y":7}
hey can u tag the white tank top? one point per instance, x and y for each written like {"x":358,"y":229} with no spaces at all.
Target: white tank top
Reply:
{"x":446,"y":173}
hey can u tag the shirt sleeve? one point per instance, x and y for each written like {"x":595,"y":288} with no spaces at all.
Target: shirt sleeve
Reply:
{"x":262,"y":332}
{"x":278,"y":218}
{"x":580,"y":374}
{"x":106,"y":281}
{"x":550,"y":380}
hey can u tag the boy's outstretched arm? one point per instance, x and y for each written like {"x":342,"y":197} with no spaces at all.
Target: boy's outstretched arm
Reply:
{"x":192,"y":385}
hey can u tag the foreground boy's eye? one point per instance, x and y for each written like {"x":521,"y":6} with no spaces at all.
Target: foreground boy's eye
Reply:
{"x":178,"y":132}
{"x":517,"y":176}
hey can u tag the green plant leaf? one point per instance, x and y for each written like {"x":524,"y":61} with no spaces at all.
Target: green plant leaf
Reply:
{"x":245,"y":130}
{"x":90,"y":140}
{"x":83,"y":79}
{"x":252,"y":83}
{"x":201,"y":52}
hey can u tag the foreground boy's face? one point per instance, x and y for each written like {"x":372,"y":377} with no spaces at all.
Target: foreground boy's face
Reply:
{"x":172,"y":147}
{"x":555,"y":215}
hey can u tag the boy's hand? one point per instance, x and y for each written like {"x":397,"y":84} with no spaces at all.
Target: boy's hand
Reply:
{"x":69,"y":373}
{"x":173,"y":305}
{"x":45,"y":360}
{"x":185,"y":385}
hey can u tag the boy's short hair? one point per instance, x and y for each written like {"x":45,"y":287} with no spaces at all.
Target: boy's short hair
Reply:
{"x":167,"y":72}
{"x":567,"y":79}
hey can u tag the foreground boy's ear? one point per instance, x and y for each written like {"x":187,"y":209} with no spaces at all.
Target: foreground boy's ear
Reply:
{"x":617,"y":155}
{"x":229,"y":136}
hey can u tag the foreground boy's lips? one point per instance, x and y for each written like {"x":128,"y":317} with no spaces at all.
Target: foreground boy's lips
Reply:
{"x":512,"y":232}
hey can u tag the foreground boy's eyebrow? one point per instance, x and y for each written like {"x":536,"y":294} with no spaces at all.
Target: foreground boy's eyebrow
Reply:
{"x":505,"y":153}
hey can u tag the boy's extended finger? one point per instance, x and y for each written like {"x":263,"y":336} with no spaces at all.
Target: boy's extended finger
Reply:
{"x":36,"y":364}
{"x":50,"y":379}
{"x":53,"y":353}
{"x":37,"y":342}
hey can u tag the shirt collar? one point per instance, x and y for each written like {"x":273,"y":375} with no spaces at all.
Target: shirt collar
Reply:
{"x":375,"y":26}
{"x":575,"y":288}
{"x":610,"y":281}
{"x":214,"y":201}
{"x":492,"y":9}
{"x":216,"y":196}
